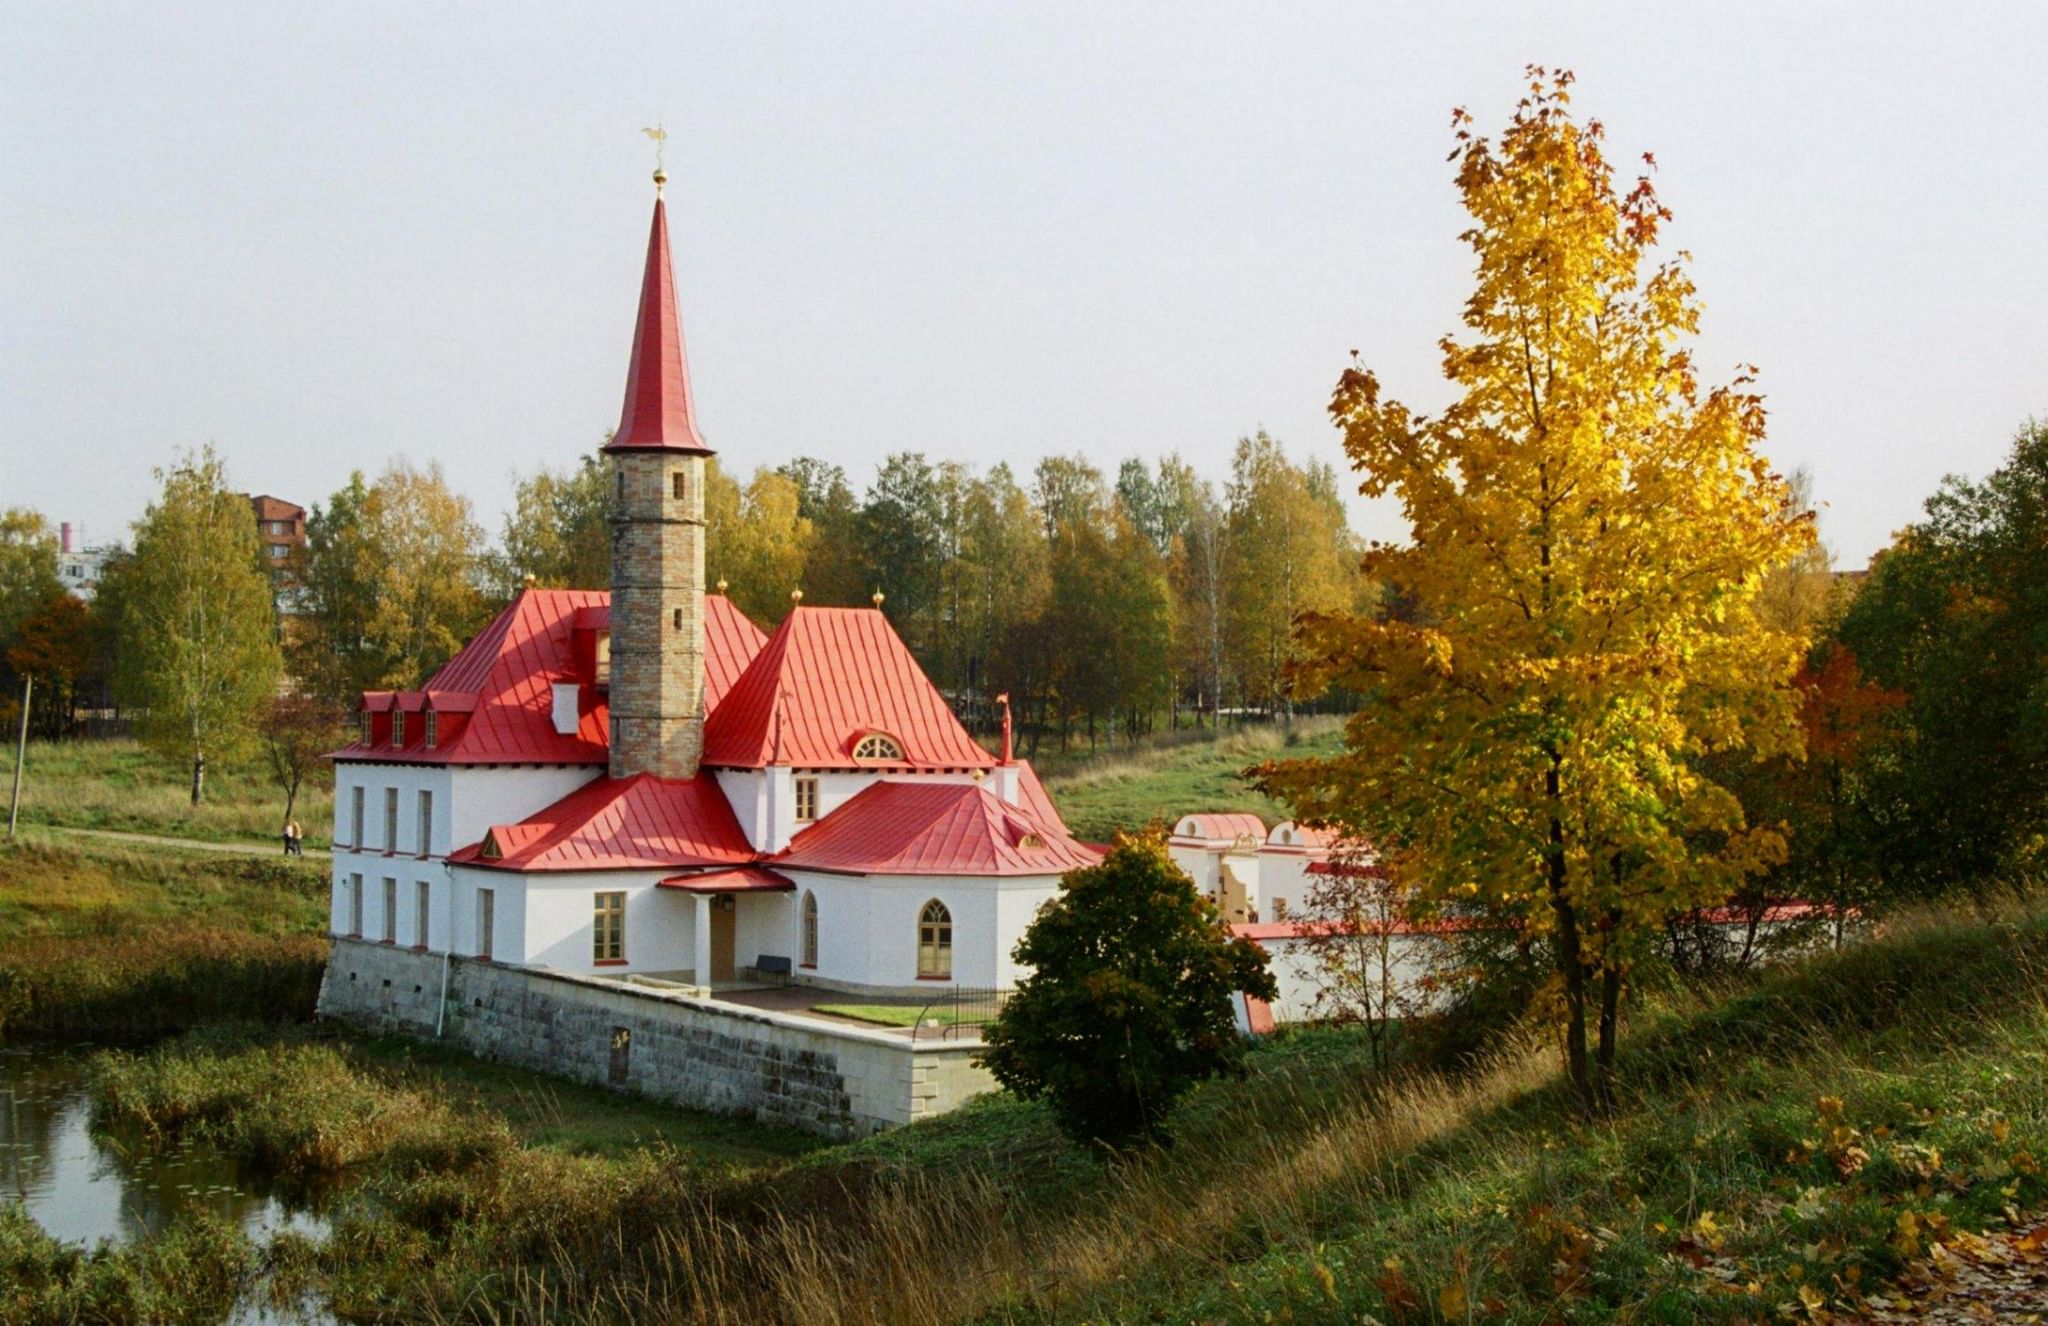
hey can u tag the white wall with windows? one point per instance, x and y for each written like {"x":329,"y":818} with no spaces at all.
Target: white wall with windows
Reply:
{"x":460,"y":804}
{"x":868,"y":927}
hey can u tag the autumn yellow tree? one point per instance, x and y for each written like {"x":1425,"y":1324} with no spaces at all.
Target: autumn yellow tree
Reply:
{"x":756,"y":540}
{"x":1591,"y":529}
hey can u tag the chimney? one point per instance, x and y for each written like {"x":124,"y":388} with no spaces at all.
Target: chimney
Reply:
{"x":657,"y":611}
{"x":64,"y":534}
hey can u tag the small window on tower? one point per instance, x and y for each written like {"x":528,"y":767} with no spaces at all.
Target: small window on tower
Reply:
{"x":622,"y":485}
{"x":676,"y":486}
{"x":679,"y":619}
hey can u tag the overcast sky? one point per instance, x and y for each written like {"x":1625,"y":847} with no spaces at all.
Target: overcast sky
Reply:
{"x":324,"y":236}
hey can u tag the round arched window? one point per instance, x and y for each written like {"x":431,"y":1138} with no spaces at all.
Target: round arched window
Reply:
{"x":935,"y":942}
{"x":877,"y":746}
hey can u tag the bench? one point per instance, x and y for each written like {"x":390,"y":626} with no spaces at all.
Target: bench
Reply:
{"x":769,"y":967}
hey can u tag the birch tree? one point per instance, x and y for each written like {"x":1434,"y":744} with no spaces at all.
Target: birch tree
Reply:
{"x":199,"y":657}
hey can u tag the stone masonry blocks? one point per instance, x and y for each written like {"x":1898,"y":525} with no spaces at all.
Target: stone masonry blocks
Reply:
{"x":776,"y":1068}
{"x":657,"y":614}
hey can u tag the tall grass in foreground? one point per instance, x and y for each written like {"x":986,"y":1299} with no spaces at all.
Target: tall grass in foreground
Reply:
{"x":1799,"y":1138}
{"x":192,"y":1273}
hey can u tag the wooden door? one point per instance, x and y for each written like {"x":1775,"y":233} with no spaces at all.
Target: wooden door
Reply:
{"x":724,"y":923}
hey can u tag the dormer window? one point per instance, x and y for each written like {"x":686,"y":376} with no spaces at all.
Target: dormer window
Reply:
{"x":364,"y":717}
{"x":433,"y":732}
{"x":604,"y":658}
{"x":878,"y":746}
{"x":398,"y":727}
{"x":1032,"y":842}
{"x":490,"y":851}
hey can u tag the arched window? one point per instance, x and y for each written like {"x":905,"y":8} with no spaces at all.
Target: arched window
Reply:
{"x":877,"y":746}
{"x":935,"y":942}
{"x":810,"y":936}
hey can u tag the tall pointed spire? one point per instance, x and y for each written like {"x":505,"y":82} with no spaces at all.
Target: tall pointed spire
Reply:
{"x":659,"y":414}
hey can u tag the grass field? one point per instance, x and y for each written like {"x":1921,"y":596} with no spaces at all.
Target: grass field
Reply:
{"x":1176,"y":775}
{"x":1784,"y":1144}
{"x":121,"y":784}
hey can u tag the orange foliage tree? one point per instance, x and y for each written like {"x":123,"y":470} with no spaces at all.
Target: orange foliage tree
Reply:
{"x":1590,"y":531}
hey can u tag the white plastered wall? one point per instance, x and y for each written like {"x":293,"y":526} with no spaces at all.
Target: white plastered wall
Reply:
{"x":867,"y":926}
{"x":467,"y":800}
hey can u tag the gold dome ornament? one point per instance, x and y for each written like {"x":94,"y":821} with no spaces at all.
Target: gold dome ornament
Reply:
{"x":721,"y":584}
{"x":879,"y":596}
{"x":796,"y":596}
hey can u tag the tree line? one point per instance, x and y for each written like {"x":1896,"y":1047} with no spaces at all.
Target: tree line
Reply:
{"x":1105,"y":606}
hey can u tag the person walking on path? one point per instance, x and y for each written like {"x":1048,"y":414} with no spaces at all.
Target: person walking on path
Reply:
{"x":294,"y":839}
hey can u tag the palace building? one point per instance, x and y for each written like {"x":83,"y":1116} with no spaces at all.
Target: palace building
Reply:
{"x":642,"y":783}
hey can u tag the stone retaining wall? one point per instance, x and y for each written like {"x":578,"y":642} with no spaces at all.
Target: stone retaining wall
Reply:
{"x":775,"y":1067}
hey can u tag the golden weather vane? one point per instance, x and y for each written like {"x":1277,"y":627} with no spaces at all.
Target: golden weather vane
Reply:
{"x":660,"y":137}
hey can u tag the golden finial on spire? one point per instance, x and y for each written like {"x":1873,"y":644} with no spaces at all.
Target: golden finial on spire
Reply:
{"x":878,"y":598}
{"x":660,"y":137}
{"x":721,"y":584}
{"x":796,"y":596}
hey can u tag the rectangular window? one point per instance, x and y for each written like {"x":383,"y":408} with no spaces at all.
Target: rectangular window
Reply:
{"x":806,"y":800}
{"x":1279,"y":909}
{"x":355,"y":906}
{"x":485,"y":922}
{"x":390,"y":819}
{"x":604,"y":658}
{"x":422,"y":898}
{"x":364,"y":735}
{"x":426,"y":824}
{"x":398,"y":727}
{"x":390,"y":917}
{"x":676,"y":486}
{"x":608,"y":928}
{"x":433,"y":730}
{"x":355,"y":817}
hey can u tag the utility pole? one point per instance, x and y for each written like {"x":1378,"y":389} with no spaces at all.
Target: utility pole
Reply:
{"x":20,"y":754}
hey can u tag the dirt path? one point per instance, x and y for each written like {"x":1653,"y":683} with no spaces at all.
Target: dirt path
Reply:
{"x":165,"y":840}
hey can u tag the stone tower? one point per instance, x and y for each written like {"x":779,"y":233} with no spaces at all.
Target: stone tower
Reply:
{"x":657,"y":613}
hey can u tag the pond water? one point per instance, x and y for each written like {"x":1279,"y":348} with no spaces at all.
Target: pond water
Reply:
{"x":84,"y":1186}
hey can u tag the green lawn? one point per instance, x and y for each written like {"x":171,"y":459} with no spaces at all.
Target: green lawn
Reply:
{"x":121,"y":784}
{"x":1160,"y":782}
{"x":896,"y":1015}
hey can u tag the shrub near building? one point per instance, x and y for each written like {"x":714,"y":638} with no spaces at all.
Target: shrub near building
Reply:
{"x":1129,"y":1002}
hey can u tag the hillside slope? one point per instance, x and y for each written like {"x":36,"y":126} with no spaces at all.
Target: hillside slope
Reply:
{"x":1784,"y":1146}
{"x":1160,"y":782}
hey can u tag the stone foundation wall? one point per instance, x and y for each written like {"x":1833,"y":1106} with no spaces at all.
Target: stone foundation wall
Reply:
{"x":774,"y":1067}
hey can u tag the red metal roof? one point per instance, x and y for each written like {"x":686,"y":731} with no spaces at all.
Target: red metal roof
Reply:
{"x":824,"y":680}
{"x":642,"y":822}
{"x":739,"y":879}
{"x":659,"y":414}
{"x":504,"y":677}
{"x":1223,"y":827}
{"x":921,"y":827}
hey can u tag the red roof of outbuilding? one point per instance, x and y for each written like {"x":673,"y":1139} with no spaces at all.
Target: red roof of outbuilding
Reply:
{"x":824,"y":680}
{"x":659,"y":414}
{"x":919,"y":827}
{"x":504,"y":678}
{"x":1221,"y":827}
{"x":636,"y":823}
